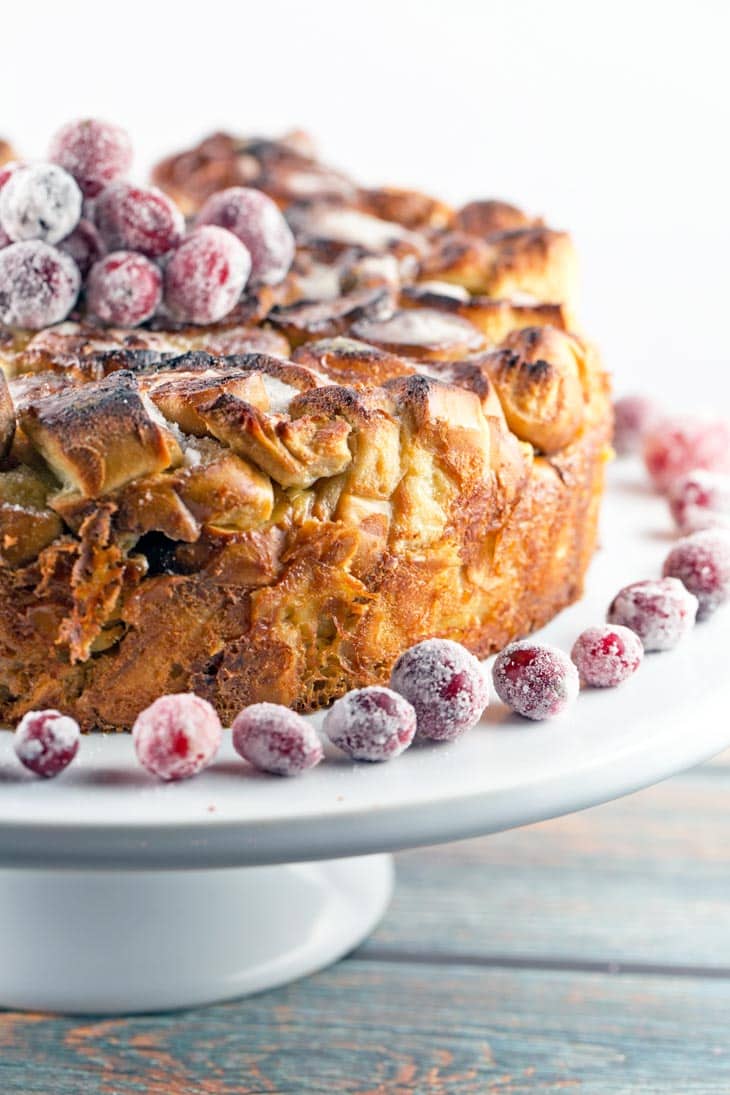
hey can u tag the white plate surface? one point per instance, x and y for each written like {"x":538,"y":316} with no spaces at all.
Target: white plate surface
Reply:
{"x":106,"y":811}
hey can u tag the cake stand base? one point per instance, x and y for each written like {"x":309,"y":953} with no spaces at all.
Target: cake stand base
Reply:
{"x":135,"y":941}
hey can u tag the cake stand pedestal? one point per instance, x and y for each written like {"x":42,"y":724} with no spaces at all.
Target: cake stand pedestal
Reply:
{"x":123,"y":941}
{"x":121,"y":894}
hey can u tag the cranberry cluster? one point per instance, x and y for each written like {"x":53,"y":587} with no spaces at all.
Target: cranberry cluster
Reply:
{"x":74,"y":224}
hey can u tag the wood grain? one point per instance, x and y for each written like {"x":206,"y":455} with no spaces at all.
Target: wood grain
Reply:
{"x":377,"y":1029}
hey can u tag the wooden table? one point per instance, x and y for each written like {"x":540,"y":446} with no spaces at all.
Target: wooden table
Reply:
{"x":588,"y":953}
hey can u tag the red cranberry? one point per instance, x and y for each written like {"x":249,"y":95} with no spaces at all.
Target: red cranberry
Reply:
{"x":371,"y":724}
{"x":534,"y":679}
{"x":94,"y":152}
{"x":633,"y":414}
{"x":206,"y":275}
{"x":676,"y":446}
{"x":660,"y":611}
{"x":138,"y":218}
{"x":46,"y":742}
{"x":702,"y":564}
{"x":38,"y":285}
{"x":124,"y":289}
{"x":177,"y":736}
{"x":259,"y":224}
{"x":701,"y":500}
{"x":605,"y":656}
{"x":40,"y":202}
{"x":84,"y":245}
{"x":446,"y":686}
{"x":7,"y":170}
{"x":274,"y":739}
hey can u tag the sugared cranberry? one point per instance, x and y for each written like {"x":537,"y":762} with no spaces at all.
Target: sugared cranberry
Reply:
{"x":124,"y":289}
{"x":84,"y":245}
{"x":702,"y":564}
{"x":632,"y":414}
{"x":206,"y":275}
{"x":94,"y":152}
{"x":534,"y":679}
{"x":46,"y":741}
{"x":259,"y":224}
{"x":700,"y":500}
{"x":371,"y":724}
{"x":274,"y":739}
{"x":40,"y":202}
{"x":676,"y":446}
{"x":7,"y":170}
{"x":660,"y":611}
{"x":177,"y":736}
{"x":38,"y":285}
{"x":445,"y":684}
{"x":138,"y":218}
{"x":605,"y":656}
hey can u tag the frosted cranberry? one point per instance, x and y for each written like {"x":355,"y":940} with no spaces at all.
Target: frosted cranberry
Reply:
{"x":371,"y":724}
{"x":660,"y":611}
{"x":274,"y":739}
{"x":259,"y":224}
{"x":46,"y":741}
{"x":676,"y":446}
{"x":84,"y":245}
{"x":94,"y":152}
{"x":446,"y":686}
{"x":534,"y":679}
{"x":40,"y":202}
{"x":633,"y":414}
{"x":700,"y":500}
{"x":702,"y":564}
{"x":605,"y":656}
{"x":177,"y":736}
{"x":206,"y":275}
{"x":38,"y":285}
{"x":138,"y":218}
{"x":7,"y":170}
{"x":124,"y":289}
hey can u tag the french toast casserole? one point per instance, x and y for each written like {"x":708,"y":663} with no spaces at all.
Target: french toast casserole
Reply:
{"x":404,"y":438}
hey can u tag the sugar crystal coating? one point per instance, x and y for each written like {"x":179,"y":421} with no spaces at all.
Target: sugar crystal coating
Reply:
{"x":632,"y":416}
{"x":699,"y":500}
{"x":38,"y":285}
{"x":85,"y":246}
{"x":275,"y":739}
{"x":40,"y":202}
{"x":536,"y":680}
{"x":446,"y":686}
{"x":177,"y":736}
{"x":372,"y":724}
{"x":661,"y":611}
{"x":94,"y":152}
{"x":259,"y":224}
{"x":46,"y":741}
{"x":675,"y":446}
{"x":702,"y":563}
{"x":138,"y":218}
{"x":606,"y":656}
{"x":206,"y":275}
{"x":124,"y":289}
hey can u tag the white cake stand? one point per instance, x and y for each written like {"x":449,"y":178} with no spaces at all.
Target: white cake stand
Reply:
{"x":121,"y":894}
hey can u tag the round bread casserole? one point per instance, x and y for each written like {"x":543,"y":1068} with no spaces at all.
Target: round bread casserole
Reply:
{"x":404,"y":439}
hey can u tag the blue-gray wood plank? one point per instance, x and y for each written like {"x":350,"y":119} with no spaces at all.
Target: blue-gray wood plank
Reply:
{"x":588,"y":953}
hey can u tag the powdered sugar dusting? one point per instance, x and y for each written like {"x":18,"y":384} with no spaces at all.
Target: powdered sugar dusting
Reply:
{"x":702,"y":564}
{"x":372,"y":724}
{"x":536,"y":680}
{"x":445,"y":684}
{"x":274,"y":739}
{"x":661,"y":611}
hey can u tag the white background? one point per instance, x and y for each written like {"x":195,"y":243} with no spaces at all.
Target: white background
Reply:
{"x":612,"y":120}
